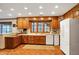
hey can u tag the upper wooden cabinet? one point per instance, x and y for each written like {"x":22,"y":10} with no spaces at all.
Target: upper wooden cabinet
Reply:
{"x":55,"y":23}
{"x":22,"y":23}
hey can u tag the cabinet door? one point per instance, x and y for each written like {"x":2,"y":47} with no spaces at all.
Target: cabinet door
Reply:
{"x":8,"y":42}
{"x":55,"y":23}
{"x":38,"y":40}
{"x":20,"y":22}
{"x":42,"y":40}
{"x":24,"y":23}
{"x":25,"y":39}
{"x":30,"y":40}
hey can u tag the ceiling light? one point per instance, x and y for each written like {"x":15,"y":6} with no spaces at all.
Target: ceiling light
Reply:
{"x":49,"y":18}
{"x":42,"y":18}
{"x":34,"y":18}
{"x":29,"y":13}
{"x":9,"y":14}
{"x":12,"y":9}
{"x":25,"y":8}
{"x":40,"y":7}
{"x":19,"y":14}
{"x":53,"y":12}
{"x":41,"y":13}
{"x":56,"y":6}
{"x":0,"y":10}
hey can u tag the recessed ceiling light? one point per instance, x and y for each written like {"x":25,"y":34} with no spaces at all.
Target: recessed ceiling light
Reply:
{"x":56,"y":6}
{"x":53,"y":12}
{"x":49,"y":18}
{"x":41,"y":13}
{"x":29,"y":13}
{"x":34,"y":18}
{"x":19,"y":14}
{"x":25,"y":8}
{"x":40,"y":7}
{"x":9,"y":14}
{"x":0,"y":10}
{"x":42,"y":18}
{"x":12,"y":9}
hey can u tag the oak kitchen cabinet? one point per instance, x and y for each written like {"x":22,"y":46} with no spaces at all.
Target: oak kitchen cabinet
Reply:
{"x":24,"y":38}
{"x":12,"y":42}
{"x":37,"y":40}
{"x":32,"y":39}
{"x":22,"y":23}
{"x":55,"y":23}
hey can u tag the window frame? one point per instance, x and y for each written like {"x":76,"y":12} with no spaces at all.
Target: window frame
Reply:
{"x":6,"y":28}
{"x":37,"y":26}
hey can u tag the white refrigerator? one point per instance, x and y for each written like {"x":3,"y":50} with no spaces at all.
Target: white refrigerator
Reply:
{"x":69,"y":36}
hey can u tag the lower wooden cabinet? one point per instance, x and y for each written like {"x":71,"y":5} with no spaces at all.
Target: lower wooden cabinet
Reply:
{"x":24,"y":39}
{"x":12,"y":42}
{"x":37,"y":40}
{"x":31,"y":39}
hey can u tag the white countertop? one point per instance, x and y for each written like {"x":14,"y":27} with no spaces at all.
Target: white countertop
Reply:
{"x":38,"y":34}
{"x":34,"y":34}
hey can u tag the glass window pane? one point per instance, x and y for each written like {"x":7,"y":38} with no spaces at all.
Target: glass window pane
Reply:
{"x":33,"y":27}
{"x":9,"y":28}
{"x":40,"y":27}
{"x":0,"y":28}
{"x":46,"y":27}
{"x":5,"y":28}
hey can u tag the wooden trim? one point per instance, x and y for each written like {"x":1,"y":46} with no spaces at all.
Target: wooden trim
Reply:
{"x":40,"y":20}
{"x":36,"y":16}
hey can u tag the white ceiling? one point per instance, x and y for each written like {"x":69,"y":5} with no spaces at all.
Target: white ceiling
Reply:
{"x":48,"y":9}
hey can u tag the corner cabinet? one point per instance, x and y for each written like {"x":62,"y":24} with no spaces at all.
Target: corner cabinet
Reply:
{"x":12,"y":42}
{"x":22,"y":23}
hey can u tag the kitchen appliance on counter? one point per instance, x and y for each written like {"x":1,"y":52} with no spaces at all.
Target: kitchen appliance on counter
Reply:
{"x":69,"y":36}
{"x":25,"y":31}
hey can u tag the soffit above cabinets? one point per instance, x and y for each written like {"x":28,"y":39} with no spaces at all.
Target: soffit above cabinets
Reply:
{"x":13,"y":10}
